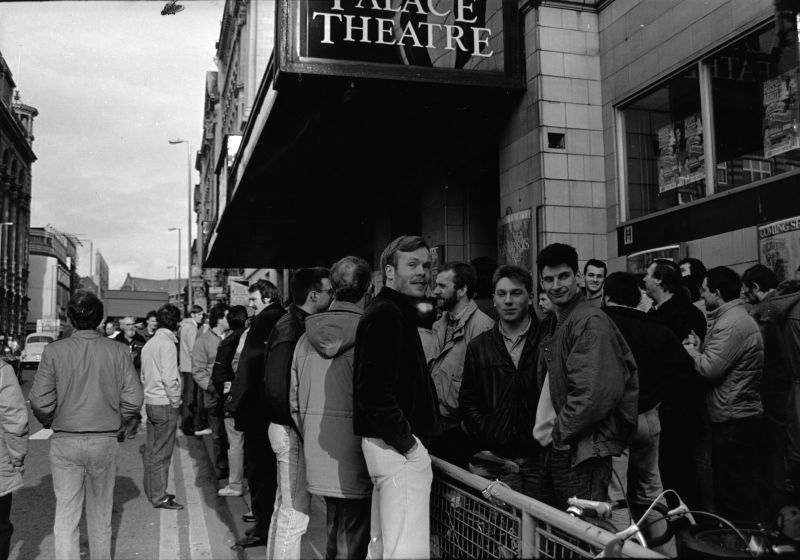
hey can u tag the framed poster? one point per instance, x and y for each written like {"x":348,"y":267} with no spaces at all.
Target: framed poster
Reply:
{"x":779,"y":247}
{"x":514,"y":239}
{"x":667,"y":159}
{"x":780,"y":114}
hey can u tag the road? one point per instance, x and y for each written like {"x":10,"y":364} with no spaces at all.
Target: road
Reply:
{"x":205,"y":529}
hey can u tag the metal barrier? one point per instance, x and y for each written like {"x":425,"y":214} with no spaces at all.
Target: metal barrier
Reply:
{"x":464,"y":524}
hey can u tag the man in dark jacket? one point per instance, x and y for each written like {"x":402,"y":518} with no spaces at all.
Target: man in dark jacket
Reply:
{"x":661,"y":362}
{"x":135,"y":342}
{"x":684,"y":456}
{"x":759,"y":285}
{"x":499,"y":389}
{"x":587,"y":410}
{"x":248,"y":406}
{"x":311,"y":292}
{"x":785,"y":307}
{"x":222,"y":376}
{"x":396,"y":408}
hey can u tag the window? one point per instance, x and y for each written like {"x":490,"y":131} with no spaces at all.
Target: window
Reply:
{"x":755,"y":101}
{"x":664,"y":143}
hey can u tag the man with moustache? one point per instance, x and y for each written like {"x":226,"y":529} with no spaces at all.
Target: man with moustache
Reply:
{"x":396,"y":409}
{"x":461,"y":321}
{"x":499,"y":391}
{"x":587,"y":411}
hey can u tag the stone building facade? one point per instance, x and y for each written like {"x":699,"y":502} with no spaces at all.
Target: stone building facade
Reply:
{"x":16,"y":160}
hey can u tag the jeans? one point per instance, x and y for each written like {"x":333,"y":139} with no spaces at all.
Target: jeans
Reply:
{"x":83,"y":465}
{"x":680,"y":455}
{"x":557,"y":480}
{"x":292,"y":500}
{"x":637,"y":467}
{"x":162,"y":423}
{"x":219,"y":440}
{"x":348,"y":527}
{"x":262,"y":478}
{"x":399,"y":521}
{"x":235,"y":455}
{"x":734,"y":456}
{"x":6,"y":527}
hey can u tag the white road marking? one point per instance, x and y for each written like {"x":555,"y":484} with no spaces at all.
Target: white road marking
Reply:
{"x":42,"y":434}
{"x":169,"y":547}
{"x":199,"y":545}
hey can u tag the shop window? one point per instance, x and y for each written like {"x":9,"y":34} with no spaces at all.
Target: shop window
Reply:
{"x":755,"y":103}
{"x":664,"y":145}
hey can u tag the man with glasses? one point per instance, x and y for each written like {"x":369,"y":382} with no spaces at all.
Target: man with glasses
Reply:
{"x":499,"y":384}
{"x":192,"y":412}
{"x":311,"y":293}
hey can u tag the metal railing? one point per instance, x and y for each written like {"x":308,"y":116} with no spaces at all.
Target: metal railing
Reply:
{"x":508,"y":524}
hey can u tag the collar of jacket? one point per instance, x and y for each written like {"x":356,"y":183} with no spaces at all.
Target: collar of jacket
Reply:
{"x":347,"y":306}
{"x":168,"y":333}
{"x":626,"y":311}
{"x":272,"y":306}
{"x":724,"y":308}
{"x":86,"y":333}
{"x":560,"y":316}
{"x":458,"y":328}
{"x":404,"y":302}
{"x":530,"y":335}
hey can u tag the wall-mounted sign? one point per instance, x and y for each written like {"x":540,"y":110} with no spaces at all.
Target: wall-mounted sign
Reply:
{"x":437,"y":260}
{"x":779,"y":247}
{"x":239,"y":292}
{"x":454,"y":41}
{"x":637,"y":262}
{"x":514,"y":239}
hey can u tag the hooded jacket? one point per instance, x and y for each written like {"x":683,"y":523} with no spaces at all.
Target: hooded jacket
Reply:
{"x":784,"y":309}
{"x":594,"y":383}
{"x":13,"y":430}
{"x":731,"y":358}
{"x":321,"y":400}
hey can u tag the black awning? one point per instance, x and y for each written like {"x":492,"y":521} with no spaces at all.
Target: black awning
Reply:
{"x":337,"y":156}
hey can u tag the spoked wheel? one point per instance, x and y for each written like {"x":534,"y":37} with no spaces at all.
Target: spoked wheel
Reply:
{"x":713,"y":541}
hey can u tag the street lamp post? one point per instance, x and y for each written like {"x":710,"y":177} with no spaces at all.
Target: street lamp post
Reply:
{"x":179,"y":259}
{"x":189,"y":221}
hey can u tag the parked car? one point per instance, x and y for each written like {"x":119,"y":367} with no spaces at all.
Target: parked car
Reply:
{"x":34,"y":346}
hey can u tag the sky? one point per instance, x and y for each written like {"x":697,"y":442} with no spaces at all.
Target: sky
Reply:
{"x":113,"y":82}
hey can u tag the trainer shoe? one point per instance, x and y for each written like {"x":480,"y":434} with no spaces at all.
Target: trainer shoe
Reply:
{"x":228,"y":492}
{"x":203,"y":432}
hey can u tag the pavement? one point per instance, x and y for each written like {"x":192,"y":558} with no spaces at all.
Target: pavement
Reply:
{"x":205,"y":529}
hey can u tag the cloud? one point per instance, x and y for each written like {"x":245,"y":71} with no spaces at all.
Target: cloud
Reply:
{"x":113,"y":81}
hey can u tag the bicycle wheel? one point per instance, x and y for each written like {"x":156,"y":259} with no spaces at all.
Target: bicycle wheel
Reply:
{"x":713,"y":541}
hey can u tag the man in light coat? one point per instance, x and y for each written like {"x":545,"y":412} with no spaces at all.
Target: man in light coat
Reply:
{"x":192,"y":413}
{"x":321,"y":398}
{"x":162,"y":397}
{"x":731,"y":357}
{"x":13,"y":446}
{"x":461,"y":321}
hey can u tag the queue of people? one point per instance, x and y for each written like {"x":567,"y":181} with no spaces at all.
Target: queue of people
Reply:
{"x":680,"y":378}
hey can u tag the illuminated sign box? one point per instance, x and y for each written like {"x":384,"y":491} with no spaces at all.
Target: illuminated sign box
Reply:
{"x":474,"y":42}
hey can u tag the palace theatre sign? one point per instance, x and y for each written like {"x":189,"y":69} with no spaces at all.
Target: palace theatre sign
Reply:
{"x":472,"y":42}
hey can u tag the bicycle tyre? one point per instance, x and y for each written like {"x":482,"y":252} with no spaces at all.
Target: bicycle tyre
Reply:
{"x":713,"y":541}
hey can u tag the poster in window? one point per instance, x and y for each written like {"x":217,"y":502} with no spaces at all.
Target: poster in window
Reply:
{"x":667,"y":158}
{"x":514,"y":239}
{"x":692,"y":159}
{"x":780,"y":115}
{"x":779,"y":247}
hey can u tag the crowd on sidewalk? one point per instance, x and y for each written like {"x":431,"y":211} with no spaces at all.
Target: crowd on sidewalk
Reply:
{"x":576,"y":383}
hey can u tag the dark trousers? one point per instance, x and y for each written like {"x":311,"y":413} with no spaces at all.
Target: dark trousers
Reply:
{"x":6,"y":528}
{"x":189,"y":404}
{"x":734,"y":457}
{"x":261,"y":469}
{"x":678,"y":452}
{"x":557,"y":480}
{"x":162,"y":422}
{"x":348,"y":527}
{"x":453,"y":446}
